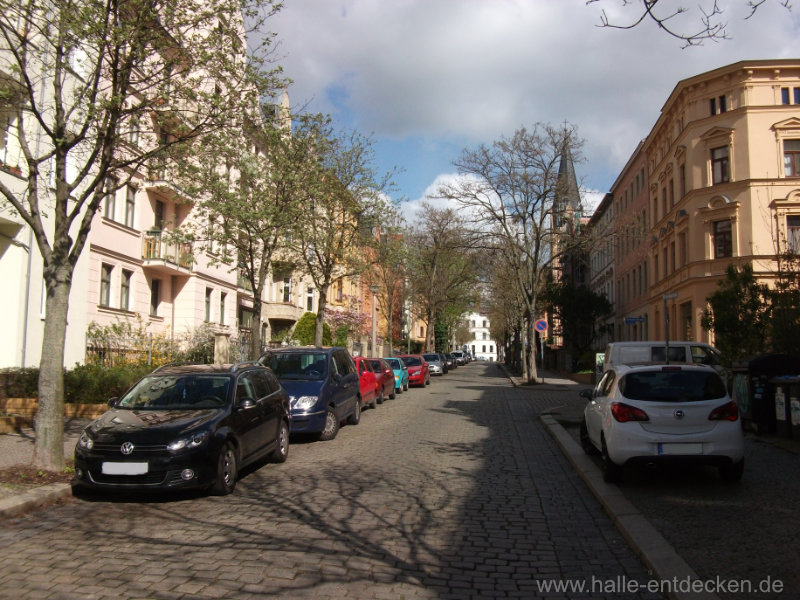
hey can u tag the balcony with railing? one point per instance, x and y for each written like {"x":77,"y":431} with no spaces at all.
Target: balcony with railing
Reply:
{"x":164,"y":255}
{"x":163,"y":177}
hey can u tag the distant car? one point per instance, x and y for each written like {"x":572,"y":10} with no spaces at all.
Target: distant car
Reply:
{"x":418,"y":370}
{"x":663,"y":413}
{"x":181,"y":427}
{"x":385,"y":376}
{"x":435,"y":363}
{"x":323,"y":387}
{"x":460,"y":357}
{"x":400,"y":374}
{"x":368,"y":383}
{"x":451,"y":360}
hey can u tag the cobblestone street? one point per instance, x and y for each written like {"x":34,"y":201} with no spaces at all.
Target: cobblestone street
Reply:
{"x":453,"y":491}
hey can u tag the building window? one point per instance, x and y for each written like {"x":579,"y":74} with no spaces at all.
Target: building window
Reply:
{"x":682,"y":175}
{"x":125,"y":290}
{"x":310,"y":299}
{"x":222,"y":297}
{"x":793,"y":233}
{"x":158,"y":219}
{"x":723,"y":104}
{"x":109,"y":198}
{"x":791,"y":158}
{"x":155,"y":296}
{"x":287,"y":289}
{"x":105,"y":284}
{"x":130,"y":205}
{"x":712,"y":105}
{"x":133,"y":132}
{"x":785,"y":95}
{"x":723,"y":242}
{"x":209,"y":291}
{"x":720,"y":165}
{"x":339,"y":290}
{"x":484,"y":322}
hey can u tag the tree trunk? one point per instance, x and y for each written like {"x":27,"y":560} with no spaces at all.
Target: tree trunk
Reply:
{"x":320,"y":321}
{"x":530,"y":350}
{"x":48,"y":451}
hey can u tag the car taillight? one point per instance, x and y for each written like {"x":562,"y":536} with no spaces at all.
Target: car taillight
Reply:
{"x":726,"y":412}
{"x":625,"y":412}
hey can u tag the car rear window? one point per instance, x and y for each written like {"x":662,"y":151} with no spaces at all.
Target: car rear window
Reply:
{"x":672,"y":386}
{"x":431,"y":357}
{"x":412,"y":361}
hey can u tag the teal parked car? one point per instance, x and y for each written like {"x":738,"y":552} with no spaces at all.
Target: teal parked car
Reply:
{"x":400,"y":373}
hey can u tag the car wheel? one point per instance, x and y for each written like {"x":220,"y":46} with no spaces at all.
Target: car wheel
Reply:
{"x":398,"y":390}
{"x":427,"y":382}
{"x":586,"y":443}
{"x":226,"y":471}
{"x":392,"y":395}
{"x":281,"y":452}
{"x":611,"y":470}
{"x":331,"y":426}
{"x":355,"y":418}
{"x":380,"y":398}
{"x":405,"y":386}
{"x":733,"y":472}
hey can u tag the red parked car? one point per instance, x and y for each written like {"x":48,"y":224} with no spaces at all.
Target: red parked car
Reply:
{"x":418,"y":369}
{"x":368,"y":383}
{"x":385,"y":376}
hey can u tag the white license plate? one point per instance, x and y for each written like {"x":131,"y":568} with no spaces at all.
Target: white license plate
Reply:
{"x":124,"y":468}
{"x":680,"y":449}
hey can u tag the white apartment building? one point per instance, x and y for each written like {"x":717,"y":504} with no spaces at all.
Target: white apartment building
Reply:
{"x":481,"y":344}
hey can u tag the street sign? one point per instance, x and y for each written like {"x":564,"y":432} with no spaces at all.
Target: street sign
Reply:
{"x":632,"y":320}
{"x":540,"y":325}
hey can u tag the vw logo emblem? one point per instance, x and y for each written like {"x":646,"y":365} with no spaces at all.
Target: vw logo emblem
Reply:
{"x":126,"y":448}
{"x":679,"y":414}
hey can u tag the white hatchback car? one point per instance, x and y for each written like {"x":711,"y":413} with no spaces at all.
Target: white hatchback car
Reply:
{"x":659,"y":413}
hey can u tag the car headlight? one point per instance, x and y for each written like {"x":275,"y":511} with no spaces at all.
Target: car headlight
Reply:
{"x":303,"y":402}
{"x":85,"y":442}
{"x":193,"y":441}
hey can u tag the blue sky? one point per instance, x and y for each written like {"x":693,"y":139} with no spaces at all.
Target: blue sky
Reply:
{"x":427,"y":78}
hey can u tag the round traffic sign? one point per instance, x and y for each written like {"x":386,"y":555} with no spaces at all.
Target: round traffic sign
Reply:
{"x":541,"y":325}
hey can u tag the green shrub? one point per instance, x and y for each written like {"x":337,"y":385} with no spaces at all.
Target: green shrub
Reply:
{"x":306,"y":328}
{"x":19,"y":383}
{"x":92,"y":384}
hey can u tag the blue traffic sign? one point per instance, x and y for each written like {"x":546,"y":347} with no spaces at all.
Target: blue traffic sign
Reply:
{"x":540,"y":325}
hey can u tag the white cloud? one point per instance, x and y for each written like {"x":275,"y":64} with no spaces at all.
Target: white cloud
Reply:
{"x":472,"y":71}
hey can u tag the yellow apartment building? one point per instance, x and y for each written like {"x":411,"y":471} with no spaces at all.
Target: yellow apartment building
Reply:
{"x":722,"y":167}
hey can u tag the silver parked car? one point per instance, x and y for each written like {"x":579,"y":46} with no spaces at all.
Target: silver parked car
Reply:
{"x":435,"y":363}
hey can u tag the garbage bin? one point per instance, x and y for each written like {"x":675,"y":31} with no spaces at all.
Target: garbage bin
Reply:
{"x":752,"y":391}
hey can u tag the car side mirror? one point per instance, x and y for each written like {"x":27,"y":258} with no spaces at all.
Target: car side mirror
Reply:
{"x":588,"y":394}
{"x":112,"y":402}
{"x":247,"y":403}
{"x":337,"y":377}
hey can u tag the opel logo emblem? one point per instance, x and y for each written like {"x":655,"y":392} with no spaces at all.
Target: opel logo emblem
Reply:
{"x":126,"y":448}
{"x":679,"y":414}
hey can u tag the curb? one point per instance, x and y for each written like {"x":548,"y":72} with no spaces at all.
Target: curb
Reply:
{"x":40,"y":497}
{"x":653,"y":549}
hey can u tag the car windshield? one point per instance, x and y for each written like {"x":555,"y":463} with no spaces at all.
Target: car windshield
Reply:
{"x":376,"y":365}
{"x":177,"y":392}
{"x":412,"y":361}
{"x":431,"y":357}
{"x":299,"y":365}
{"x":395,"y":363}
{"x":672,"y":386}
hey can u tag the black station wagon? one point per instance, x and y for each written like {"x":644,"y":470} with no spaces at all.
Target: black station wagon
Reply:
{"x":190,"y":426}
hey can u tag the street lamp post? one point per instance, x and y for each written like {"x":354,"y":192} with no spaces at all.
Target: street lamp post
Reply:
{"x":667,"y":296}
{"x":374,"y":289}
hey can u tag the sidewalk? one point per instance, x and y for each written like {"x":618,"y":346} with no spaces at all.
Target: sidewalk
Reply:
{"x":17,"y":449}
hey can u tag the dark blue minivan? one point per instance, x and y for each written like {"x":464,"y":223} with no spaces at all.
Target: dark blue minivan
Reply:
{"x":322,"y":384}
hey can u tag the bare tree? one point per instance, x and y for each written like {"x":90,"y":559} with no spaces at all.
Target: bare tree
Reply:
{"x":342,"y":204}
{"x":442,"y":271}
{"x":513,"y":189}
{"x":709,"y":25}
{"x":80,"y":79}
